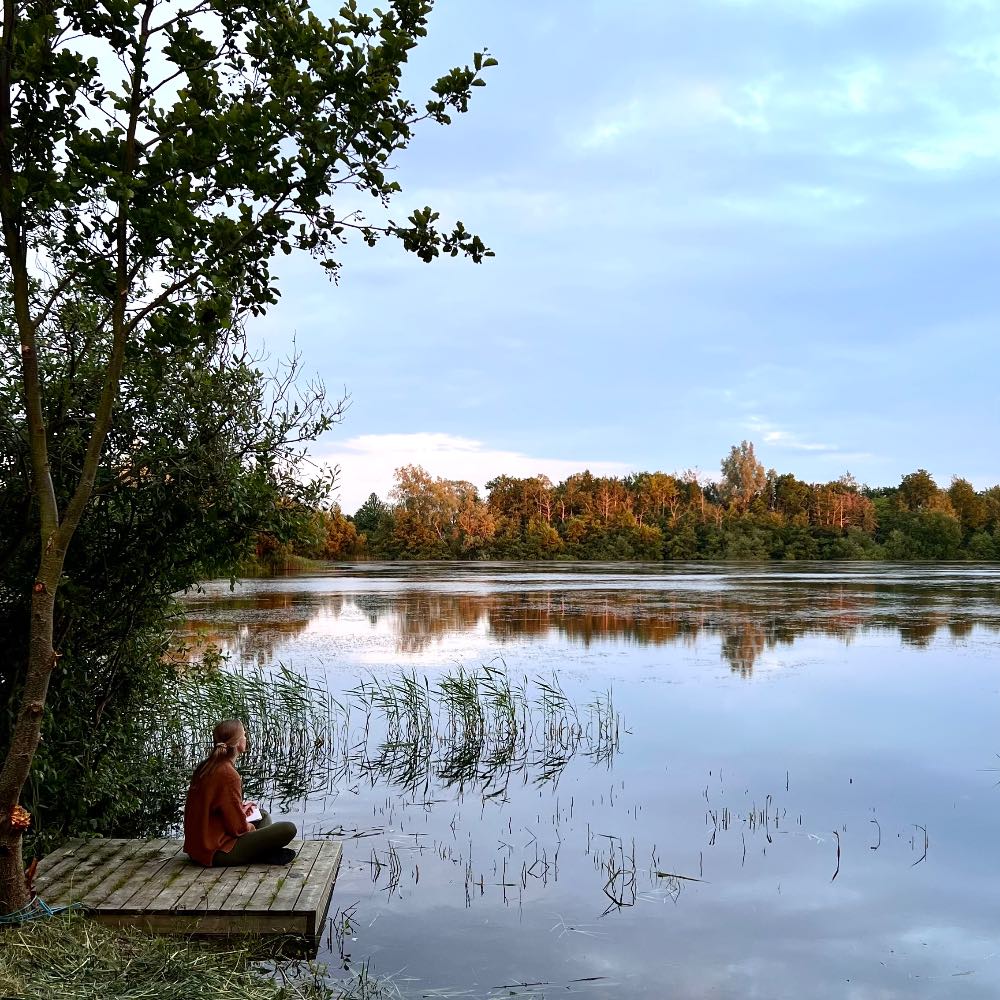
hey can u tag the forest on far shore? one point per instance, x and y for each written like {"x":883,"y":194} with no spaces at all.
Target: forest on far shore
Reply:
{"x":749,"y":512}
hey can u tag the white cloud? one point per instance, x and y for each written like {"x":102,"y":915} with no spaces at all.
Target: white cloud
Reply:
{"x":932,"y":111}
{"x":666,"y":106}
{"x":779,"y":437}
{"x":367,"y":463}
{"x":961,"y":141}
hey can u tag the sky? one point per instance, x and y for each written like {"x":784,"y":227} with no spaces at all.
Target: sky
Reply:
{"x":714,"y":220}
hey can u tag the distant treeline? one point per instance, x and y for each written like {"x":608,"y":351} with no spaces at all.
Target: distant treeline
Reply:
{"x":749,"y":513}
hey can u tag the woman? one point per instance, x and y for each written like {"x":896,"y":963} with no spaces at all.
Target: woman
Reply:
{"x":216,"y":829}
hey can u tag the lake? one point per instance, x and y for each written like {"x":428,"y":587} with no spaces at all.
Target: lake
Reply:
{"x":726,"y":781}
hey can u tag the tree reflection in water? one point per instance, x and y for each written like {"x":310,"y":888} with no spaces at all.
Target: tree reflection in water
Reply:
{"x":254,"y":628}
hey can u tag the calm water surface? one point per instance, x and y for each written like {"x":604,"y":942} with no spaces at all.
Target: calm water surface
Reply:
{"x":816,"y":745}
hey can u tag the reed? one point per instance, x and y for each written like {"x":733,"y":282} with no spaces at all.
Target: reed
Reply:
{"x":290,"y":723}
{"x":472,"y":730}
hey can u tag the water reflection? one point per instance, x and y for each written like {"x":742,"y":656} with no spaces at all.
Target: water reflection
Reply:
{"x":255,"y":625}
{"x":837,"y":824}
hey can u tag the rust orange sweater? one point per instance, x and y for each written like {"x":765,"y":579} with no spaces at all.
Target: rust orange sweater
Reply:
{"x":213,"y":814}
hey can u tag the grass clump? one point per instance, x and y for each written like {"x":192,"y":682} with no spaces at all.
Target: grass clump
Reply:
{"x":76,"y":959}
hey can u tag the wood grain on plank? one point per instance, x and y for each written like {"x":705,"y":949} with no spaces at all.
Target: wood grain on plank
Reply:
{"x":52,"y":865}
{"x":136,"y":868}
{"x":163,"y":892}
{"x":103,"y":879}
{"x":74,"y":880}
{"x":296,"y":875}
{"x":149,"y":872}
{"x":317,"y":891}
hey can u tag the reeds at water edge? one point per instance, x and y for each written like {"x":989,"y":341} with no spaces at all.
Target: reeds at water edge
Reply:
{"x":470,"y":730}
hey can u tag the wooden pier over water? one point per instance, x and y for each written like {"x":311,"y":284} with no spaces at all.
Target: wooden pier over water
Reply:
{"x":152,"y":884}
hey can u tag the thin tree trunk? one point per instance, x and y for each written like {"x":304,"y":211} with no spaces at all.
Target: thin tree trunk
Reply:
{"x":55,"y":532}
{"x":27,"y":731}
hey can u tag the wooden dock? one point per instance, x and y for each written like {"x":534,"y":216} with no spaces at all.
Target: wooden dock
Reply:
{"x":152,"y":884}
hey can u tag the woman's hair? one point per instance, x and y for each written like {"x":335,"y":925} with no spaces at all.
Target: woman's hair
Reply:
{"x":225,"y":736}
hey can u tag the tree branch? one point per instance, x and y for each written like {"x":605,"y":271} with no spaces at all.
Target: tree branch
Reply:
{"x":15,"y":249}
{"x":120,"y":328}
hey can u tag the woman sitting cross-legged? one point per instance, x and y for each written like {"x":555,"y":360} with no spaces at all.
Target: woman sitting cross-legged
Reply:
{"x":217,"y":831}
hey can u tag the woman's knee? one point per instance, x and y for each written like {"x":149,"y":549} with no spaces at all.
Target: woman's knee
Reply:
{"x":284,"y":831}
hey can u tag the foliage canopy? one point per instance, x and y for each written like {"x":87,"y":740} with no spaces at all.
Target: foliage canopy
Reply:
{"x":155,"y":155}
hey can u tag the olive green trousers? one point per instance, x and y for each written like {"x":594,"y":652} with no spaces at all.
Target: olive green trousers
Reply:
{"x":255,"y":847}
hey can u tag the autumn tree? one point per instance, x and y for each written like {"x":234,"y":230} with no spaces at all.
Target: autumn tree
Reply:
{"x":917,"y":490}
{"x":743,"y":477}
{"x":339,"y":538}
{"x":154,"y":157}
{"x":969,"y":507}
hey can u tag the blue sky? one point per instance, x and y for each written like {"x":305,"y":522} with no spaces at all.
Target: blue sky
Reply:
{"x":714,"y":220}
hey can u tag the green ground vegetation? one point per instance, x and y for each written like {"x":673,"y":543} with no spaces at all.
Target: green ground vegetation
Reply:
{"x":76,"y":959}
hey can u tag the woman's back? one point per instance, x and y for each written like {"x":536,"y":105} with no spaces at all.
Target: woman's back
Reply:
{"x":213,"y":814}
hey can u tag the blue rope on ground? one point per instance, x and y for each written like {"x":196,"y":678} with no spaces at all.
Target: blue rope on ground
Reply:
{"x":37,"y":909}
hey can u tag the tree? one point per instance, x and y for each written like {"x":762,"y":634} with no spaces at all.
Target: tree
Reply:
{"x":792,"y":497}
{"x":339,"y":536}
{"x":371,"y":514}
{"x":193,"y":471}
{"x":743,"y":477}
{"x":917,"y":490}
{"x":967,"y":504}
{"x":160,"y":193}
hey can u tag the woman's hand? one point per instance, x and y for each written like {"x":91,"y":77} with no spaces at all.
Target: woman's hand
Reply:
{"x":249,"y":807}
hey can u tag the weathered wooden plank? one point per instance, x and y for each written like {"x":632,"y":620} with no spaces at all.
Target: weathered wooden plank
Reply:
{"x":74,"y":880}
{"x":211,"y":889}
{"x":323,"y":873}
{"x":258,"y":888}
{"x":102,"y":879}
{"x":268,"y":889}
{"x":243,"y":890}
{"x":295,"y":875}
{"x":317,"y":890}
{"x":163,"y":892}
{"x":52,"y":865}
{"x":137,"y":867}
{"x":149,"y":871}
{"x":152,"y":884}
{"x":220,"y":885}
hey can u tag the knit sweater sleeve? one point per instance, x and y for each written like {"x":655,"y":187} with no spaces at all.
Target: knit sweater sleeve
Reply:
{"x":230,"y":805}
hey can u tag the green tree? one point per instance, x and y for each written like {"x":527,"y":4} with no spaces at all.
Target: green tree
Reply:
{"x":159,"y":177}
{"x":925,"y":534}
{"x":193,"y":470}
{"x":792,"y":496}
{"x":370,"y":515}
{"x":917,"y":490}
{"x":743,"y":477}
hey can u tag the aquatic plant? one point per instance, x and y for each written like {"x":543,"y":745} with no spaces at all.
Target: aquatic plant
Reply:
{"x":476,"y":730}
